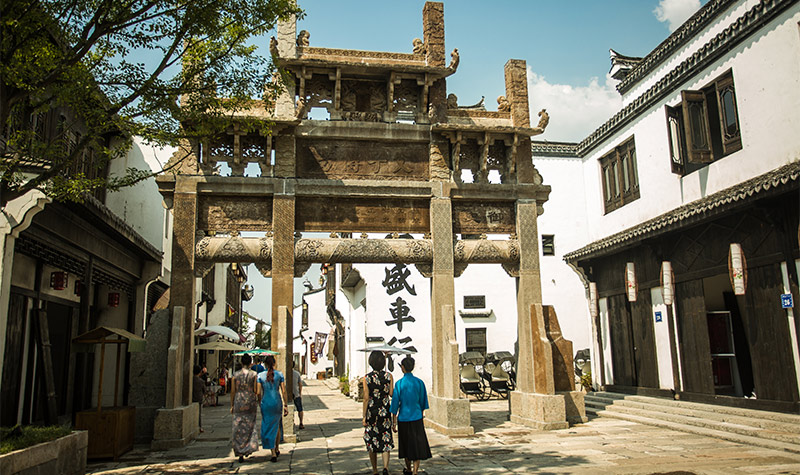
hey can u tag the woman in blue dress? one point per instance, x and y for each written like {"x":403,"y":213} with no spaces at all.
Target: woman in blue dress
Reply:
{"x":273,"y":406}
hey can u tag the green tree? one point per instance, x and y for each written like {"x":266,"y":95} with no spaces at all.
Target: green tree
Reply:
{"x":80,"y":78}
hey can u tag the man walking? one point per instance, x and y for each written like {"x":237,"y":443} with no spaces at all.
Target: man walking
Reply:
{"x":297,"y":394}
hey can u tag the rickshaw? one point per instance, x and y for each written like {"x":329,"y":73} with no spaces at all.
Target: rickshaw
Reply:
{"x":499,"y":373}
{"x":471,"y":382}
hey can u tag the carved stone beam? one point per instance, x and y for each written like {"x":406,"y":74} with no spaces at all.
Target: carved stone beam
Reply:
{"x":484,"y":251}
{"x":407,"y":251}
{"x":363,"y":250}
{"x":234,"y":249}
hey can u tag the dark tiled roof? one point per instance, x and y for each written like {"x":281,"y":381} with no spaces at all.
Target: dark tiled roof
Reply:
{"x":675,"y":41}
{"x":678,"y":217}
{"x":554,"y":149}
{"x":721,"y":44}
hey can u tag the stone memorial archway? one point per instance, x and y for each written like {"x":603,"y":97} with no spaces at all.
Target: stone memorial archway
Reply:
{"x":390,"y":159}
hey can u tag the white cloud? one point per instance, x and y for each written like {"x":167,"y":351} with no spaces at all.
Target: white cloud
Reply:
{"x":675,"y":12}
{"x":575,"y":111}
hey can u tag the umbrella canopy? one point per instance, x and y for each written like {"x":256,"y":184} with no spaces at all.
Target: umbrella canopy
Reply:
{"x":220,"y":345}
{"x":257,"y":351}
{"x":219,"y":330}
{"x":386,"y":348}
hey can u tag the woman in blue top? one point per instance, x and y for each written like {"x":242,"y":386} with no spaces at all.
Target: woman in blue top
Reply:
{"x":409,"y":400}
{"x":273,"y":405}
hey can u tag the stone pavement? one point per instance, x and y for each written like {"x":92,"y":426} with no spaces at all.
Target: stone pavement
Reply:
{"x":332,"y":444}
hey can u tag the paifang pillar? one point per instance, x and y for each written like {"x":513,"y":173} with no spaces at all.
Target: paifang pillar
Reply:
{"x":534,"y":402}
{"x":182,"y":286}
{"x":449,"y":413}
{"x":283,"y":210}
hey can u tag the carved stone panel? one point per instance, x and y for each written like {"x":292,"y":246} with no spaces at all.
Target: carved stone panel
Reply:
{"x":387,"y":215}
{"x":234,"y":213}
{"x":340,"y":160}
{"x":484,"y":217}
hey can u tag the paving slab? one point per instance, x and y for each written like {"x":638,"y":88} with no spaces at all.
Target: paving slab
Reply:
{"x":332,"y":443}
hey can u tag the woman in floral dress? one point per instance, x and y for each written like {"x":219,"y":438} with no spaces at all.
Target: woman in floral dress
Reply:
{"x":245,"y":395}
{"x":377,"y":420}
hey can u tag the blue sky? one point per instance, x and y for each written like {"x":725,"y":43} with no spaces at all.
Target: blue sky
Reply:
{"x":565,"y":44}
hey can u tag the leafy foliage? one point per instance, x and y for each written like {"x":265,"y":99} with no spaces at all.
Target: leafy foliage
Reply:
{"x":81,"y":77}
{"x":20,"y":437}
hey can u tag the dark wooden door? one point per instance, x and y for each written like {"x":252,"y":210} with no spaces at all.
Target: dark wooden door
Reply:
{"x":767,"y":328}
{"x":12,"y":362}
{"x":622,"y":354}
{"x":644,"y":341}
{"x":693,"y":337}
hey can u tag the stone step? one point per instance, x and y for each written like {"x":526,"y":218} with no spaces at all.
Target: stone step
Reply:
{"x":701,"y":411}
{"x":793,"y":419}
{"x":699,"y":421}
{"x":693,"y":429}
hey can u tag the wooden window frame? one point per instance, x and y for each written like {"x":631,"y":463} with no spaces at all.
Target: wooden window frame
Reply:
{"x":548,"y":244}
{"x":708,"y":126}
{"x":619,"y":176}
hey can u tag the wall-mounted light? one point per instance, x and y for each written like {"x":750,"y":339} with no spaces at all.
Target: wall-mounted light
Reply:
{"x":59,"y":280}
{"x":113,"y":299}
{"x":77,"y":288}
{"x":630,"y":281}
{"x":667,"y":283}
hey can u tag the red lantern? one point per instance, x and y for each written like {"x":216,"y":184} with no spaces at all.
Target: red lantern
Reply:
{"x":113,"y":299}
{"x":78,"y":288}
{"x":59,"y":280}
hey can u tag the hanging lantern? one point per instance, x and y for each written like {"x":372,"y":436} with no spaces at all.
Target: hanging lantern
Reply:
{"x":113,"y":299}
{"x":59,"y":280}
{"x":667,"y":283}
{"x":737,"y":269}
{"x":630,"y":281}
{"x":593,"y":299}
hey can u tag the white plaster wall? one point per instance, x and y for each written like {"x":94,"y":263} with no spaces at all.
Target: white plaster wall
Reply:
{"x":565,"y":218}
{"x":217,"y":314}
{"x":348,"y":302}
{"x":140,"y":205}
{"x":378,"y":305}
{"x":768,"y":109}
{"x":500,"y":290}
{"x":317,"y":322}
{"x":663,"y":352}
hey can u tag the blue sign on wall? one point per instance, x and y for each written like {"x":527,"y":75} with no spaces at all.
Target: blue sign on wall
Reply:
{"x":786,"y":301}
{"x":658,"y":317}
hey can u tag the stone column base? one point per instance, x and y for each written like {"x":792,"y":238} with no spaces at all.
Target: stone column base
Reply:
{"x":176,"y":427}
{"x":289,"y":435}
{"x":449,"y":416}
{"x":539,"y":411}
{"x":575,"y":407}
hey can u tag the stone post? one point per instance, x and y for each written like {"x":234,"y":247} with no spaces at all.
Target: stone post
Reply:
{"x":287,"y":48}
{"x":448,"y":413}
{"x":182,"y":287}
{"x":433,"y":33}
{"x":283,"y":210}
{"x":534,"y":402}
{"x":516,"y":75}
